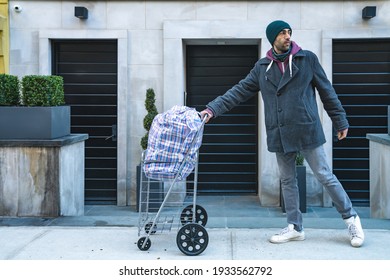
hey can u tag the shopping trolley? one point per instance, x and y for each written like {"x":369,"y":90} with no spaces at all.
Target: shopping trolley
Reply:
{"x":166,"y":203}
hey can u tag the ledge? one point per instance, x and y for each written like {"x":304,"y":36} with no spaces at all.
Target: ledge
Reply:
{"x":380,"y":138}
{"x":57,"y":142}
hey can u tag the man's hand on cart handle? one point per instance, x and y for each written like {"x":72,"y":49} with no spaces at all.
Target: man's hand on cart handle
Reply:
{"x":207,"y":113}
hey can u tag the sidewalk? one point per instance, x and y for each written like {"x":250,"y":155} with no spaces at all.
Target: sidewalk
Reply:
{"x":238,"y":230}
{"x":119,"y":243}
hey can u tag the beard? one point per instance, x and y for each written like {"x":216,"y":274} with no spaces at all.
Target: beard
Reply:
{"x":282,"y":46}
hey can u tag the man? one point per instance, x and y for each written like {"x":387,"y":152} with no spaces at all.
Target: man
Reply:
{"x":287,"y":78}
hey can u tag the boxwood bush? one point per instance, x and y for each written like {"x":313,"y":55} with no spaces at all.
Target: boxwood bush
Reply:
{"x":299,"y":159}
{"x":148,"y":119}
{"x":9,"y":90}
{"x":40,"y":90}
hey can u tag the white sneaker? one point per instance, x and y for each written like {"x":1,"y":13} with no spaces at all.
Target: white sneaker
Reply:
{"x":355,"y":230}
{"x":288,"y":234}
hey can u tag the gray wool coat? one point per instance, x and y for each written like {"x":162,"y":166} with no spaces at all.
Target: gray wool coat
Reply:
{"x":291,"y":114}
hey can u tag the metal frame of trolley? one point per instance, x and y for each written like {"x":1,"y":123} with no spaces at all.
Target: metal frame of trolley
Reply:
{"x":178,"y":209}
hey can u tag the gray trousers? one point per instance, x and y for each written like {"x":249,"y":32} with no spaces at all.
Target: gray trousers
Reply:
{"x":316,"y":159}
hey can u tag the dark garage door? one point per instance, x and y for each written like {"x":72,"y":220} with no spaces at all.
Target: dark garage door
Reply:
{"x":361,"y":77}
{"x":228,"y":155}
{"x":89,"y":69}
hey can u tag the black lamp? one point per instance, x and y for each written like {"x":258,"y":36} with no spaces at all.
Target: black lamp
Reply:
{"x":81,"y":12}
{"x":369,"y":12}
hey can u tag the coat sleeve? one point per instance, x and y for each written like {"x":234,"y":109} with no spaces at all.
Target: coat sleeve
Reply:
{"x":329,"y":98}
{"x":241,"y":92}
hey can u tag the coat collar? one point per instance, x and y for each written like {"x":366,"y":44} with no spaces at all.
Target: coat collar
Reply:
{"x":275,"y":76}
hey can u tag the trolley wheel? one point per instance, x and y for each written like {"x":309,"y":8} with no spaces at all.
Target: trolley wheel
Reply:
{"x":148,"y":226}
{"x":192,"y":239}
{"x":141,"y":242}
{"x":200,"y":215}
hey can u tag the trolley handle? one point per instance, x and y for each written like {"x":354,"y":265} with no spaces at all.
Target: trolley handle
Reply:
{"x":203,"y":118}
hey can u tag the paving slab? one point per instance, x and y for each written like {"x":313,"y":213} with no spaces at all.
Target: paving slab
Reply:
{"x":119,"y":243}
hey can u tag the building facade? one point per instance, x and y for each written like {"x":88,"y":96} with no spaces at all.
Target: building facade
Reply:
{"x":110,"y":58}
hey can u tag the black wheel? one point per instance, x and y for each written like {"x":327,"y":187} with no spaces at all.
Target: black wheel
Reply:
{"x":141,"y":242}
{"x":148,"y":226}
{"x":192,"y":239}
{"x":200,"y":215}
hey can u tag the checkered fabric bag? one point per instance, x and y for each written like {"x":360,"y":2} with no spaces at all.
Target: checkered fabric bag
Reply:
{"x":173,"y":134}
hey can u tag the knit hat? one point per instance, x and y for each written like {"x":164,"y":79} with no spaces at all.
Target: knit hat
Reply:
{"x":274,"y":28}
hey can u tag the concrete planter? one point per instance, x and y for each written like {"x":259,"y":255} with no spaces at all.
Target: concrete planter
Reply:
{"x":42,"y":178}
{"x":34,"y":122}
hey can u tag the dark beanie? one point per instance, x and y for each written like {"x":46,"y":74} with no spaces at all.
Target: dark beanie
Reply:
{"x":274,"y":28}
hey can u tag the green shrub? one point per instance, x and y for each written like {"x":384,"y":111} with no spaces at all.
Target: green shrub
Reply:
{"x":148,"y":119}
{"x":9,"y":90}
{"x":39,"y":90}
{"x":299,"y":159}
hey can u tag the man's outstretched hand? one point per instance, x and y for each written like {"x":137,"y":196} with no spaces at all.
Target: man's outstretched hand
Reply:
{"x":342,"y":134}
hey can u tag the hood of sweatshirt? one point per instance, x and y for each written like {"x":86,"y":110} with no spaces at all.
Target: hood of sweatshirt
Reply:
{"x":282,"y":64}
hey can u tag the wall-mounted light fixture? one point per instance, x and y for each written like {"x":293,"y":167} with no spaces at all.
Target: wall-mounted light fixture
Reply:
{"x":369,"y":12}
{"x":81,"y":12}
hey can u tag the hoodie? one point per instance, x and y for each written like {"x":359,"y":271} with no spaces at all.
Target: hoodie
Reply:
{"x":288,"y":61}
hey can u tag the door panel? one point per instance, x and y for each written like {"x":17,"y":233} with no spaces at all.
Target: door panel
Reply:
{"x":89,"y":69}
{"x":361,"y":78}
{"x":229,"y":153}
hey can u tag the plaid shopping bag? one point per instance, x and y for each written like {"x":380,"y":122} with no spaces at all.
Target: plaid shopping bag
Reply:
{"x":174,"y":139}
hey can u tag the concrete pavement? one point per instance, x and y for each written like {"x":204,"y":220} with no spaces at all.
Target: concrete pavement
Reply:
{"x":100,"y":244}
{"x":238,"y":229}
{"x":119,"y":243}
